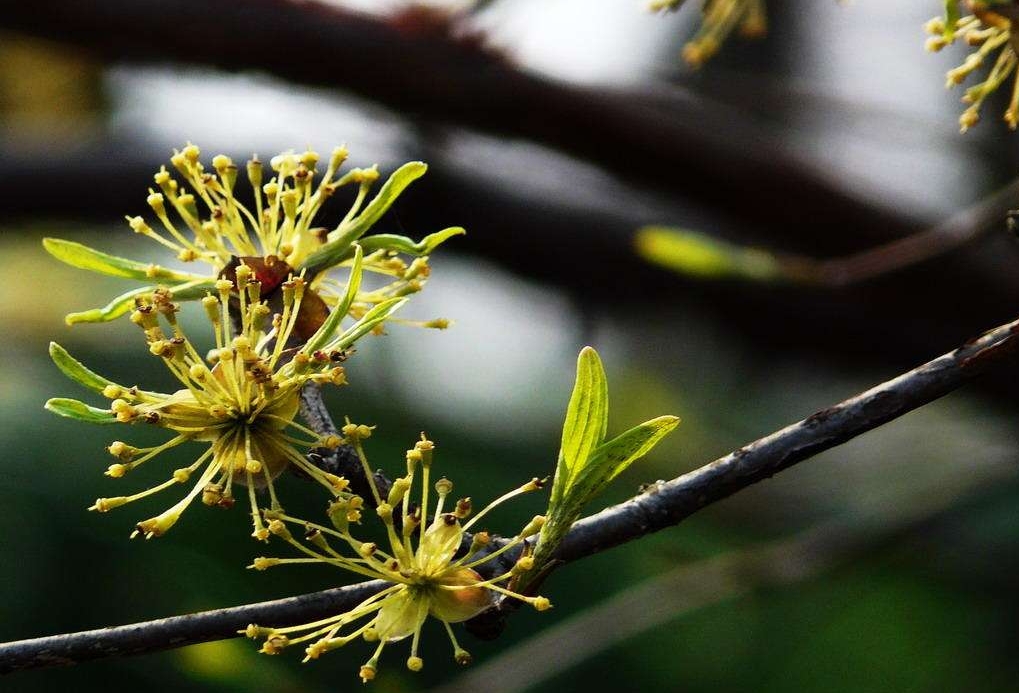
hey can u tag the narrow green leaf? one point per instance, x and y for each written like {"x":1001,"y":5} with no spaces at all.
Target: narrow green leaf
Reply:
{"x":402,"y":244}
{"x":951,"y":17}
{"x":613,"y":457}
{"x":73,"y":409}
{"x":76,"y":371}
{"x":83,"y":257}
{"x":605,"y":463}
{"x":111,"y":311}
{"x":587,"y":418}
{"x":695,"y":254}
{"x":125,"y":302}
{"x":371,"y":319}
{"x":332,"y":323}
{"x":340,"y":239}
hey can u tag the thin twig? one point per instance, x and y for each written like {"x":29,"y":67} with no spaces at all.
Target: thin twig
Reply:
{"x":963,"y":227}
{"x":663,"y":505}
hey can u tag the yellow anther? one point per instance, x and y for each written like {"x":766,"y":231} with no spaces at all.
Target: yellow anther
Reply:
{"x":541,"y":603}
{"x":275,"y":644}
{"x":263,"y":563}
{"x":103,"y":505}
{"x":191,"y":153}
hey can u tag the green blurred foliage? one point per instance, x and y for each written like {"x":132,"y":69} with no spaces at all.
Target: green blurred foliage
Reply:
{"x":930,"y":614}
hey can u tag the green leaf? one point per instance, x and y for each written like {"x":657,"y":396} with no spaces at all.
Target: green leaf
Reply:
{"x":76,"y":371}
{"x":332,"y":323}
{"x":951,"y":17}
{"x":586,"y":462}
{"x":587,"y":417}
{"x":73,"y":409}
{"x":340,"y":239}
{"x":125,"y":302}
{"x":402,"y":244}
{"x":613,"y":457}
{"x":366,"y":324}
{"x":83,"y":257}
{"x":697,"y":255}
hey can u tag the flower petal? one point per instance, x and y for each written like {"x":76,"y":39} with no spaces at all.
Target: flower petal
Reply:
{"x":401,"y":614}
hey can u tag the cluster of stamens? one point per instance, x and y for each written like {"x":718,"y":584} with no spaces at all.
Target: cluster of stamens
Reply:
{"x":278,"y":226}
{"x":438,"y":577}
{"x":988,"y":33}
{"x":242,"y":398}
{"x":720,"y":18}
{"x":278,"y":229}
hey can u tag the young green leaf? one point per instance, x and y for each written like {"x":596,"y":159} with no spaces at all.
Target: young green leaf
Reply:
{"x":76,"y":371}
{"x":614,"y":456}
{"x":587,"y":417}
{"x":388,"y":241}
{"x":366,"y":324}
{"x":83,"y":257}
{"x":697,"y":255}
{"x":332,"y":323}
{"x":587,"y":463}
{"x":341,"y":238}
{"x":951,"y":18}
{"x":73,"y":409}
{"x":125,"y":302}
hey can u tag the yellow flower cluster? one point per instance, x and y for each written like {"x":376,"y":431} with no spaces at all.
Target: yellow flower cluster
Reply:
{"x":989,"y":33}
{"x":241,"y":399}
{"x":437,"y":577}
{"x":277,"y":324}
{"x":719,"y":19}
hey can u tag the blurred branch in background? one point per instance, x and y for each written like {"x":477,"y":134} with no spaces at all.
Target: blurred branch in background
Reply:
{"x":560,"y":239}
{"x":697,"y":254}
{"x":663,"y":504}
{"x":446,"y":75}
{"x":661,"y":159}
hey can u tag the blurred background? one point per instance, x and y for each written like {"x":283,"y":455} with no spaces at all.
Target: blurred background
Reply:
{"x":554,"y":129}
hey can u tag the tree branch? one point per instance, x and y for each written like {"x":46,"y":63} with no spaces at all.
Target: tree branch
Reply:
{"x":343,"y":461}
{"x":963,"y":227}
{"x":668,"y":503}
{"x":662,"y":505}
{"x":694,"y":586}
{"x":652,"y":135}
{"x":178,"y":631}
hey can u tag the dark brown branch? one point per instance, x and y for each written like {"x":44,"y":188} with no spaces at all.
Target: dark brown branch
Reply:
{"x":690,"y":587}
{"x":343,"y":461}
{"x":655,"y":136}
{"x":663,"y":505}
{"x":961,"y":228}
{"x":177,"y":631}
{"x":834,"y":545}
{"x":668,"y":503}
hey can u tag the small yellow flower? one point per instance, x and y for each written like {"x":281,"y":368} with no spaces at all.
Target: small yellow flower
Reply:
{"x":989,"y":33}
{"x":436,"y":578}
{"x":200,"y":217}
{"x":719,"y":19}
{"x":241,"y":400}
